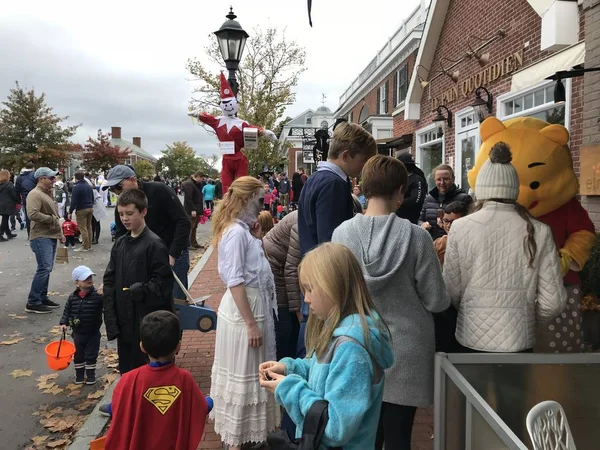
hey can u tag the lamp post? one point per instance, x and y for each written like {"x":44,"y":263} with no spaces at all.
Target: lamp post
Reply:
{"x":440,"y":121}
{"x":232,"y":40}
{"x":480,"y":106}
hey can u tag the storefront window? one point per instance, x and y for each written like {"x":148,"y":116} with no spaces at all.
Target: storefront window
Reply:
{"x":467,"y":145}
{"x":537,"y":101}
{"x":430,"y":152}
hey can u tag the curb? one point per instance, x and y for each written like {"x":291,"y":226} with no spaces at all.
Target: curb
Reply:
{"x":96,"y":422}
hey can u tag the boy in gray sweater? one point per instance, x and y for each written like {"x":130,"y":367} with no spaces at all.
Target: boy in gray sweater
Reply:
{"x":405,"y":279}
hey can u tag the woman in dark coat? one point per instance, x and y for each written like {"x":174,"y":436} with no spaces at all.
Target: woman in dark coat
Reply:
{"x":297,"y":185}
{"x":8,"y":204}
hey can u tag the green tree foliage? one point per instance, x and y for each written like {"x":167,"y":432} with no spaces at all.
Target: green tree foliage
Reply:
{"x":100,"y":155}
{"x":144,"y":169}
{"x":30,"y":131}
{"x":178,"y":160}
{"x":267,"y":77}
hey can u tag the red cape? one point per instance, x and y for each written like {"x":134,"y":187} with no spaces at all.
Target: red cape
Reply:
{"x":159,"y":408}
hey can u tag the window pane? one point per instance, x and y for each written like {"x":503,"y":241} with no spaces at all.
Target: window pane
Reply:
{"x":518,"y":105}
{"x":550,"y":93}
{"x":467,"y":159}
{"x":538,"y":98}
{"x":529,"y":101}
{"x":552,"y":115}
{"x":508,"y":107}
{"x":431,"y":157}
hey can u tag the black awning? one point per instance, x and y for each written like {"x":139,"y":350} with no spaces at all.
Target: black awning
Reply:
{"x":397,"y":142}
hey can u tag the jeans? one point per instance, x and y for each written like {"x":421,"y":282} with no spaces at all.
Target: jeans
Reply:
{"x":87,"y":347}
{"x":45,"y":252}
{"x":181,"y":267}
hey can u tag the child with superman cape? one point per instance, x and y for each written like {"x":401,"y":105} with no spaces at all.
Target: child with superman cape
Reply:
{"x":157,"y":406}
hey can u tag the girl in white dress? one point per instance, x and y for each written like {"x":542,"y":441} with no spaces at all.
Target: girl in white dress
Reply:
{"x":243,"y":411}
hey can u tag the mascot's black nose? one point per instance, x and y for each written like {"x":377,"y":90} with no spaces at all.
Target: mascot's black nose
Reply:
{"x":535,"y":185}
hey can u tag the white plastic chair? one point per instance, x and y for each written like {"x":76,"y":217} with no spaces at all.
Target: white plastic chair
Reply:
{"x":548,"y":427}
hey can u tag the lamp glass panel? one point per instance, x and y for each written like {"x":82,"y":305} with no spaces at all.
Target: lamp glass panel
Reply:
{"x":234,"y":45}
{"x":223,"y":47}
{"x":529,"y":101}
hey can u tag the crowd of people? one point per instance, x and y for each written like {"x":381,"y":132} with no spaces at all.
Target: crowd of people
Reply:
{"x":312,"y":310}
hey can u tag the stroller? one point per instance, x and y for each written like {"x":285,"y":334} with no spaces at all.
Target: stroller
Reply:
{"x":113,"y":231}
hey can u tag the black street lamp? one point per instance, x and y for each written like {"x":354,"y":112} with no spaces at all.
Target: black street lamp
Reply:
{"x":480,"y":106}
{"x":232,"y":40}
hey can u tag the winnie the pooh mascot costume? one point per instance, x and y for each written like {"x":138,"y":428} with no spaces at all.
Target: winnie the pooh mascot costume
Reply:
{"x":548,"y":187}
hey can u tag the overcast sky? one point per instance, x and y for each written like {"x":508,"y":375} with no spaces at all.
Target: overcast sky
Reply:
{"x":122,"y":63}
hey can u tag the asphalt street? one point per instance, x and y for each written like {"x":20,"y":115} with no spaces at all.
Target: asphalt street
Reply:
{"x":32,"y":332}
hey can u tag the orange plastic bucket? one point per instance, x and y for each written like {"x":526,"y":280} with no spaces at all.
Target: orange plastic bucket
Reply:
{"x":98,"y":444}
{"x":59,"y":354}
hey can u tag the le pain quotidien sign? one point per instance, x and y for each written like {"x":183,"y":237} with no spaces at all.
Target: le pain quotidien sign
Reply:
{"x":589,"y":170}
{"x":465,"y":87}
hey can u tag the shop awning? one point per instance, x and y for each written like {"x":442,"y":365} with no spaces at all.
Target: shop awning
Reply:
{"x":395,"y":142}
{"x":563,"y":60}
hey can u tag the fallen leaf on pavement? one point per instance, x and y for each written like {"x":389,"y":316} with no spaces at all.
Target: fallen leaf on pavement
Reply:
{"x":12,"y":315}
{"x":73,"y":386}
{"x":95,"y":395}
{"x":20,"y":317}
{"x":18,"y":373}
{"x":55,"y":330}
{"x":53,"y":390}
{"x":48,"y":376}
{"x":61,"y":443}
{"x":85,"y":405}
{"x":74,"y":393}
{"x":12,"y":341}
{"x":46,"y":385}
{"x":14,"y":335}
{"x":109,"y":377}
{"x":39,"y":440}
{"x":40,"y":340}
{"x":53,"y":293}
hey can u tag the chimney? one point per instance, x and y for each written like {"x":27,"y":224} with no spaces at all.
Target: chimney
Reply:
{"x":115,"y":132}
{"x":137,"y":141}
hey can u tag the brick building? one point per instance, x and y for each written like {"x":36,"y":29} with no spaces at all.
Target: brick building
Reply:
{"x":591,"y":109}
{"x":376,"y":98}
{"x":523,"y":43}
{"x":135,"y":147}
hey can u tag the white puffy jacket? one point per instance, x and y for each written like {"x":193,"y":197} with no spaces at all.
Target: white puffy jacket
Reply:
{"x":498,"y":296}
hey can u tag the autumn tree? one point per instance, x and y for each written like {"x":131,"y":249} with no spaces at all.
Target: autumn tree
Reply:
{"x":100,"y":155}
{"x":178,"y":160}
{"x":208,"y":165}
{"x":144,"y":169}
{"x":31,"y":131}
{"x":267,"y":77}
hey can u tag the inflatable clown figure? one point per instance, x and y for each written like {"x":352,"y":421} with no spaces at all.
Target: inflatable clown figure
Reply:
{"x":230,"y":133}
{"x":548,"y":189}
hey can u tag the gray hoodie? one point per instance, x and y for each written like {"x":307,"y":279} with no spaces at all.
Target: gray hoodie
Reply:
{"x":404,"y":277}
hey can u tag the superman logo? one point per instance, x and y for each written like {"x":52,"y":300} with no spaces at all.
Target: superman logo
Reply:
{"x":162,"y":397}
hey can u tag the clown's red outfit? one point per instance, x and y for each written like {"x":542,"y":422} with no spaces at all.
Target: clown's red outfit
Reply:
{"x":230,"y":129}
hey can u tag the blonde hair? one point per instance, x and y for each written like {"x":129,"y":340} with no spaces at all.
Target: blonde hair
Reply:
{"x":354,"y":138}
{"x":233,"y":203}
{"x":4,"y":176}
{"x":335,"y":272}
{"x":266,"y":221}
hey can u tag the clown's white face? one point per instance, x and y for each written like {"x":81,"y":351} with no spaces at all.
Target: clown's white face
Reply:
{"x":229,"y":107}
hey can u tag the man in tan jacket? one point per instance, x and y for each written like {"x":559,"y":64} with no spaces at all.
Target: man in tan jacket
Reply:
{"x":43,"y":238}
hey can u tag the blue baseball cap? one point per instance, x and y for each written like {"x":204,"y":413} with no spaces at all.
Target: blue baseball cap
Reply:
{"x":82,"y":273}
{"x":118,"y":174}
{"x":44,"y":172}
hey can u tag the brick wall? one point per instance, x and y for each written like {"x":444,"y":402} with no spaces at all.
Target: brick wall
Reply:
{"x":522,"y":25}
{"x":370,"y":100}
{"x":591,"y":106}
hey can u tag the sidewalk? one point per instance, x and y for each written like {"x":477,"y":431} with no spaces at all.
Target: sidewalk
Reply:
{"x":197,"y":353}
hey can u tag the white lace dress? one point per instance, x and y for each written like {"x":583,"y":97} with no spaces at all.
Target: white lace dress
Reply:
{"x":243,"y":411}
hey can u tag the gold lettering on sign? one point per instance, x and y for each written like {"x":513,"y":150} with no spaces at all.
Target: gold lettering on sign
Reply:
{"x":486,"y":76}
{"x":589,"y":167}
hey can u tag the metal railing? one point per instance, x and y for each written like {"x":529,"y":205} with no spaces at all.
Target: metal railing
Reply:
{"x":482,"y":400}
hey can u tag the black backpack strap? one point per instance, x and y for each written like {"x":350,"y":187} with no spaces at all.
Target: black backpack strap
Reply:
{"x":314,"y":425}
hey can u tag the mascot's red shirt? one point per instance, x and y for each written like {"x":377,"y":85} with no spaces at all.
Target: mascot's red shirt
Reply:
{"x":564,"y":221}
{"x":228,"y":129}
{"x":158,"y":408}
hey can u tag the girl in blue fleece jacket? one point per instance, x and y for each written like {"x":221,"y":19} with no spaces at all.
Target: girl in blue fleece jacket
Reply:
{"x":347,"y":352}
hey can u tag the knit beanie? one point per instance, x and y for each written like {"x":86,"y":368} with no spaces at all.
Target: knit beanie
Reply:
{"x":498,"y":178}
